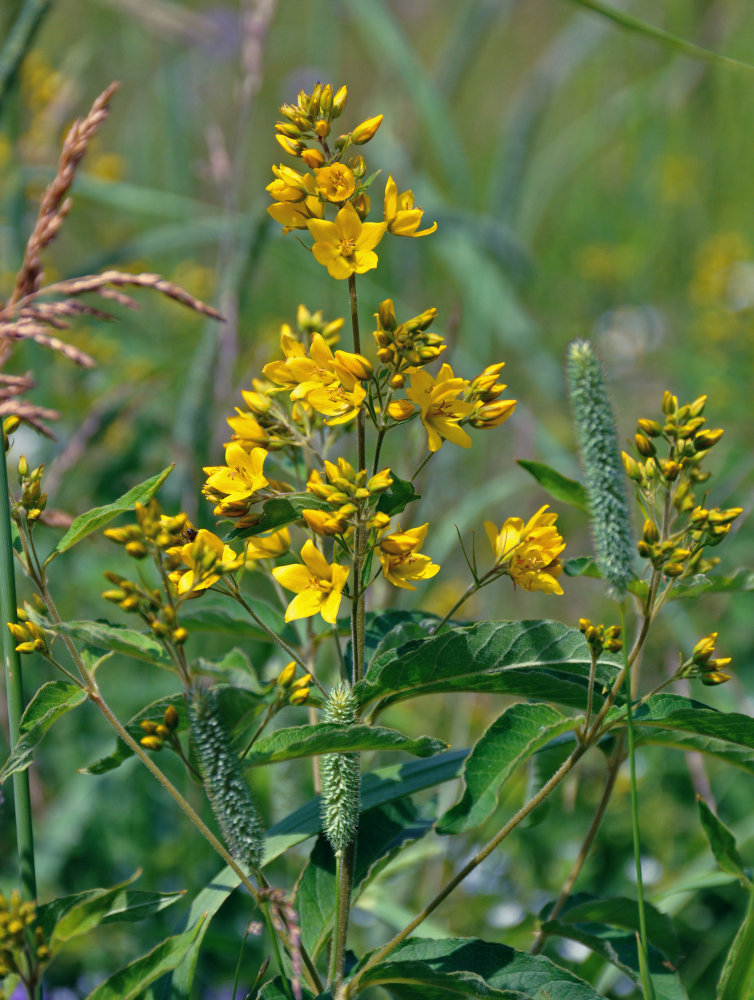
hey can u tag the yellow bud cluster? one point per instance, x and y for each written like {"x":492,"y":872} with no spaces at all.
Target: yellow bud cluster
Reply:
{"x":30,"y":637}
{"x":153,"y":531}
{"x":702,"y":664}
{"x":33,"y":501}
{"x":159,"y":733}
{"x":17,"y":920}
{"x":407,"y":345}
{"x":601,"y":637}
{"x":349,"y":493}
{"x":294,"y":692}
{"x":485,"y":392}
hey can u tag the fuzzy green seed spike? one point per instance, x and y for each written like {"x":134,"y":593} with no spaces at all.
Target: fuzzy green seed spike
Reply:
{"x":603,"y":468}
{"x":340,"y":775}
{"x":226,"y":787}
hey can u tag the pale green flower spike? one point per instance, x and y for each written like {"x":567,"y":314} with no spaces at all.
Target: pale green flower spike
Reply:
{"x":226,"y":787}
{"x":603,"y":469}
{"x":340,"y":776}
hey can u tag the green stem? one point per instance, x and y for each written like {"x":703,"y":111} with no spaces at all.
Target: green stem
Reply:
{"x":649,"y":993}
{"x":344,"y":882}
{"x":14,"y":693}
{"x":357,"y":611}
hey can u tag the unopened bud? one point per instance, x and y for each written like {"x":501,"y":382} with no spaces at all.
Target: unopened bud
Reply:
{"x":366,"y":130}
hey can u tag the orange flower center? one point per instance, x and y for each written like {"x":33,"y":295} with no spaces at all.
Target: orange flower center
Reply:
{"x":346,"y":247}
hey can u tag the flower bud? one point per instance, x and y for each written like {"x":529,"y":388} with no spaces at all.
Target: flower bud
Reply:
{"x":706,"y":439}
{"x":366,"y":131}
{"x":313,"y":158}
{"x":170,"y":717}
{"x":286,"y":675}
{"x":400,"y":409}
{"x":339,"y":102}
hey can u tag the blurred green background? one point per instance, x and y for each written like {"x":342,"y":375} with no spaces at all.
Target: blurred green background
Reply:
{"x":586,"y":181}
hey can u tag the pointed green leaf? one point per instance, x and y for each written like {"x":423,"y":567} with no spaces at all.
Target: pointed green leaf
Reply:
{"x":275,"y":990}
{"x":231,"y":619}
{"x":50,"y":702}
{"x":86,"y":912}
{"x":737,"y":977}
{"x":329,"y":737}
{"x":531,"y":659}
{"x":722,"y":842}
{"x":98,"y":517}
{"x":671,"y":713}
{"x":511,"y":739}
{"x":153,"y":712}
{"x":128,"y":905}
{"x":557,"y":485}
{"x":382,"y":833}
{"x":420,"y":968}
{"x":621,"y":912}
{"x":104,"y":635}
{"x":386,"y":630}
{"x":395,"y":499}
{"x":280,"y":511}
{"x":131,"y":982}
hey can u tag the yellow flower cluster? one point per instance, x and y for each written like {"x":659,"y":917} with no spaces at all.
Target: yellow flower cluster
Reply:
{"x":346,"y":244}
{"x":528,"y":552}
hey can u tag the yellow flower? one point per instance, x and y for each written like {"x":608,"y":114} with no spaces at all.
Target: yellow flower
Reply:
{"x":318,"y":585}
{"x":529,"y":552}
{"x":267,"y":546}
{"x":242,"y":474}
{"x":247,"y":430}
{"x":400,"y":215}
{"x":401,"y":560}
{"x":336,"y":183}
{"x":208,"y":558}
{"x":440,"y":409}
{"x":289,"y":184}
{"x":298,"y":199}
{"x":346,"y":246}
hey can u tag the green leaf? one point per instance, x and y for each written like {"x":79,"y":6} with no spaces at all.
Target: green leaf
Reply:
{"x":586,"y":566}
{"x":737,"y":977}
{"x":131,"y":982}
{"x":104,"y":635}
{"x":50,"y":702}
{"x":388,"y":784}
{"x":275,"y":990}
{"x":531,"y":659}
{"x":98,"y":517}
{"x":383,"y":832}
{"x":395,"y":499}
{"x":329,"y":737}
{"x":741,"y":580}
{"x":722,"y":842}
{"x":622,"y":912}
{"x":422,"y":969}
{"x":280,"y":511}
{"x":86,"y":912}
{"x":673,"y":713}
{"x":660,"y":35}
{"x":511,"y":739}
{"x":153,"y":712}
{"x":128,"y":905}
{"x":557,"y":485}
{"x":386,"y":630}
{"x":235,"y":669}
{"x":231,"y":619}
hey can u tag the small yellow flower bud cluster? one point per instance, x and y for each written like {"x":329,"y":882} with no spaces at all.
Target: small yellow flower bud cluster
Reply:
{"x":292,"y":691}
{"x":352,"y":496}
{"x":702,"y":664}
{"x":32,"y":501}
{"x":405,"y":346}
{"x":159,"y":733}
{"x":485,"y":392}
{"x":10,"y":424}
{"x":674,"y":474}
{"x":310,"y":119}
{"x":153,"y":532}
{"x":600,"y":637}
{"x":30,"y":637}
{"x":18,"y":955}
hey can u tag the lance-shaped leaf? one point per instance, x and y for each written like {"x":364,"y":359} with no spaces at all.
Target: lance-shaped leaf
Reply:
{"x":98,"y":517}
{"x":126,"y":906}
{"x":395,"y":499}
{"x":329,"y":737}
{"x":467,"y":967}
{"x":279,"y":511}
{"x":543,"y":660}
{"x":230,"y":619}
{"x":85,"y":912}
{"x":722,"y":842}
{"x":382,"y":833}
{"x":737,"y":977}
{"x":131,"y":982}
{"x":511,"y":739}
{"x":559,"y":487}
{"x":672,"y":720}
{"x":103,"y":635}
{"x":50,"y":702}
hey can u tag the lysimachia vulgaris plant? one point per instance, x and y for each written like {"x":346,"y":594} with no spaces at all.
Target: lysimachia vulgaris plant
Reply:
{"x":315,"y":540}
